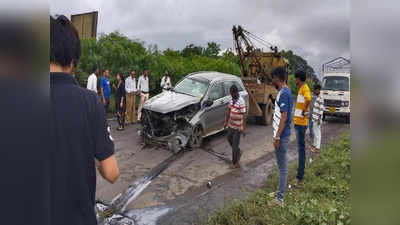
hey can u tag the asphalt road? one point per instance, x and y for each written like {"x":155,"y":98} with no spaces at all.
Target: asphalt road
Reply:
{"x":179,"y":195}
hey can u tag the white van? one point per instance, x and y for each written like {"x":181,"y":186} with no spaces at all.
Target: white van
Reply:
{"x":336,"y":94}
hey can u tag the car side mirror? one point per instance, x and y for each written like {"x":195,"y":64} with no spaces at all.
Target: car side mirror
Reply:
{"x":208,"y":103}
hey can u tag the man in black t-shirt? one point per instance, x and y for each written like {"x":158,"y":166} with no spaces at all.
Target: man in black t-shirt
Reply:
{"x":79,"y":131}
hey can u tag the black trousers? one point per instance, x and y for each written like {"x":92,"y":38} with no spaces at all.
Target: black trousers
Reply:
{"x":120,"y":112}
{"x":234,"y":141}
{"x":106,"y":106}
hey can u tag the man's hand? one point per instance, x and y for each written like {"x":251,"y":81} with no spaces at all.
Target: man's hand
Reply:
{"x":121,"y":104}
{"x":244,"y":133}
{"x":104,"y":101}
{"x":276,"y":143}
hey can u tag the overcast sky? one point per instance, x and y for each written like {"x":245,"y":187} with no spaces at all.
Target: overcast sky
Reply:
{"x":314,"y":29}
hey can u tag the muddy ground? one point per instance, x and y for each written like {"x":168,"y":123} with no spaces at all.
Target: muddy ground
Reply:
{"x":179,"y":195}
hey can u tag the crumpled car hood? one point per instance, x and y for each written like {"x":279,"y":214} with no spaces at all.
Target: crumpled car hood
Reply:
{"x":169,"y":101}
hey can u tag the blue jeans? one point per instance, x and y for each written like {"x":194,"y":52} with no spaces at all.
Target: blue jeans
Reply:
{"x":282,"y":166}
{"x":310,"y":126}
{"x":301,"y":148}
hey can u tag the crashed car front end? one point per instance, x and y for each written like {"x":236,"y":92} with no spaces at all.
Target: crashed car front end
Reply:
{"x":173,"y":129}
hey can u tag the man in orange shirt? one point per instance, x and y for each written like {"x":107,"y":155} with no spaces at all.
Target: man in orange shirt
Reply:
{"x":301,"y":121}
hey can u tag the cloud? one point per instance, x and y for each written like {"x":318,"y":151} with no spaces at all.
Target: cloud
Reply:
{"x":316,"y":30}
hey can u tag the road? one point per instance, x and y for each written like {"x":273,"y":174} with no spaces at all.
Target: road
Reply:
{"x":179,"y":193}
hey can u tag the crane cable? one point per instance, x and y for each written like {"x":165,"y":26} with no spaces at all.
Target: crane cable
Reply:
{"x":260,"y":40}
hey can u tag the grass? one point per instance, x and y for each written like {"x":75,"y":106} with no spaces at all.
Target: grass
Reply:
{"x":324,"y":198}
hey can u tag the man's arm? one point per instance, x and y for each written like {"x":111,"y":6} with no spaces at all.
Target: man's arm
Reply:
{"x":139,"y":85}
{"x":109,"y":169}
{"x":105,"y":159}
{"x":227,"y":117}
{"x":102,"y":95}
{"x":307,"y":101}
{"x":162,"y":82}
{"x":89,"y":83}
{"x":95,"y":84}
{"x":281,"y":125}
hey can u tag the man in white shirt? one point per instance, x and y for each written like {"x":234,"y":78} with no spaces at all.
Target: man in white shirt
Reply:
{"x":143,"y":89}
{"x":92,"y":80}
{"x":166,"y":82}
{"x":130,"y":88}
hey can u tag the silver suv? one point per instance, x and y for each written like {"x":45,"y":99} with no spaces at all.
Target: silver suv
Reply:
{"x":195,"y":108}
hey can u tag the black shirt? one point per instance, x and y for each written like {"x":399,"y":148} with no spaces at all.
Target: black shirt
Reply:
{"x":25,"y":149}
{"x":80,"y":135}
{"x":120,"y":93}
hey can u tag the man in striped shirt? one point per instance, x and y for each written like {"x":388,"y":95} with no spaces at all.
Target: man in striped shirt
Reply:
{"x":235,"y":120}
{"x":317,"y":112}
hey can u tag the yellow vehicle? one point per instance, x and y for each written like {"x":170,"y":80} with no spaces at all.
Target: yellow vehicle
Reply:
{"x":256,"y":67}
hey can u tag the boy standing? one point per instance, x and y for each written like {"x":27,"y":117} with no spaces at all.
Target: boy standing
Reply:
{"x":235,"y":120}
{"x":317,"y":118}
{"x":281,"y":129}
{"x":301,"y":121}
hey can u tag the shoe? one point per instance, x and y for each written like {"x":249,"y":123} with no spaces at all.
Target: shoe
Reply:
{"x":297,"y":182}
{"x":234,"y":166}
{"x":313,"y":149}
{"x":276,"y":202}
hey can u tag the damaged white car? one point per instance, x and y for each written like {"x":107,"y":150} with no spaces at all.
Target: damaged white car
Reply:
{"x":195,"y":108}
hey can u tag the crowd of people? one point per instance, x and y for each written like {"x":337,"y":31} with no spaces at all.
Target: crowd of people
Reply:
{"x":126,"y":92}
{"x":308,"y":112}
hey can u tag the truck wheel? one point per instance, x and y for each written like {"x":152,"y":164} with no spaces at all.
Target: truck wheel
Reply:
{"x":267,"y":113}
{"x":196,"y":140}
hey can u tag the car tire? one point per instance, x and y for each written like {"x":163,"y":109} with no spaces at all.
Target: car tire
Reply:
{"x":196,"y":140}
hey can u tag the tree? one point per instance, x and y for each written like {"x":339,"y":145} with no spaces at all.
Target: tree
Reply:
{"x":212,"y":49}
{"x":298,"y":63}
{"x":191,"y":50}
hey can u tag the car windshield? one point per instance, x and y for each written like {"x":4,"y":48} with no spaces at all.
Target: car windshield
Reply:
{"x":192,"y":87}
{"x":336,"y":83}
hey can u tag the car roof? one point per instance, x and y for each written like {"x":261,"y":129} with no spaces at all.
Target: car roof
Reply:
{"x":212,"y":76}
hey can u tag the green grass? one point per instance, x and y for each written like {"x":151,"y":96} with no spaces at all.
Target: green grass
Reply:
{"x":324,"y":198}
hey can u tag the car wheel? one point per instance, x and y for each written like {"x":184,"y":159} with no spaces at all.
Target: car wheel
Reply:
{"x":175,"y":145}
{"x":196,"y":140}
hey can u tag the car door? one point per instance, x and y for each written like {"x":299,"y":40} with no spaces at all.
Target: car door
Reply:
{"x":214,"y":114}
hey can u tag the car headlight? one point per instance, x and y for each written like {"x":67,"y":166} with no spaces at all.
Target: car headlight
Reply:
{"x":345,"y":103}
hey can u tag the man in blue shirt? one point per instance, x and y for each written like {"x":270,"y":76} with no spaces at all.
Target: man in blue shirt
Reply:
{"x":105,"y":89}
{"x":281,"y":129}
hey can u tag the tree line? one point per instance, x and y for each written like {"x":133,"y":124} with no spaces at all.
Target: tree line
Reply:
{"x":120,"y":54}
